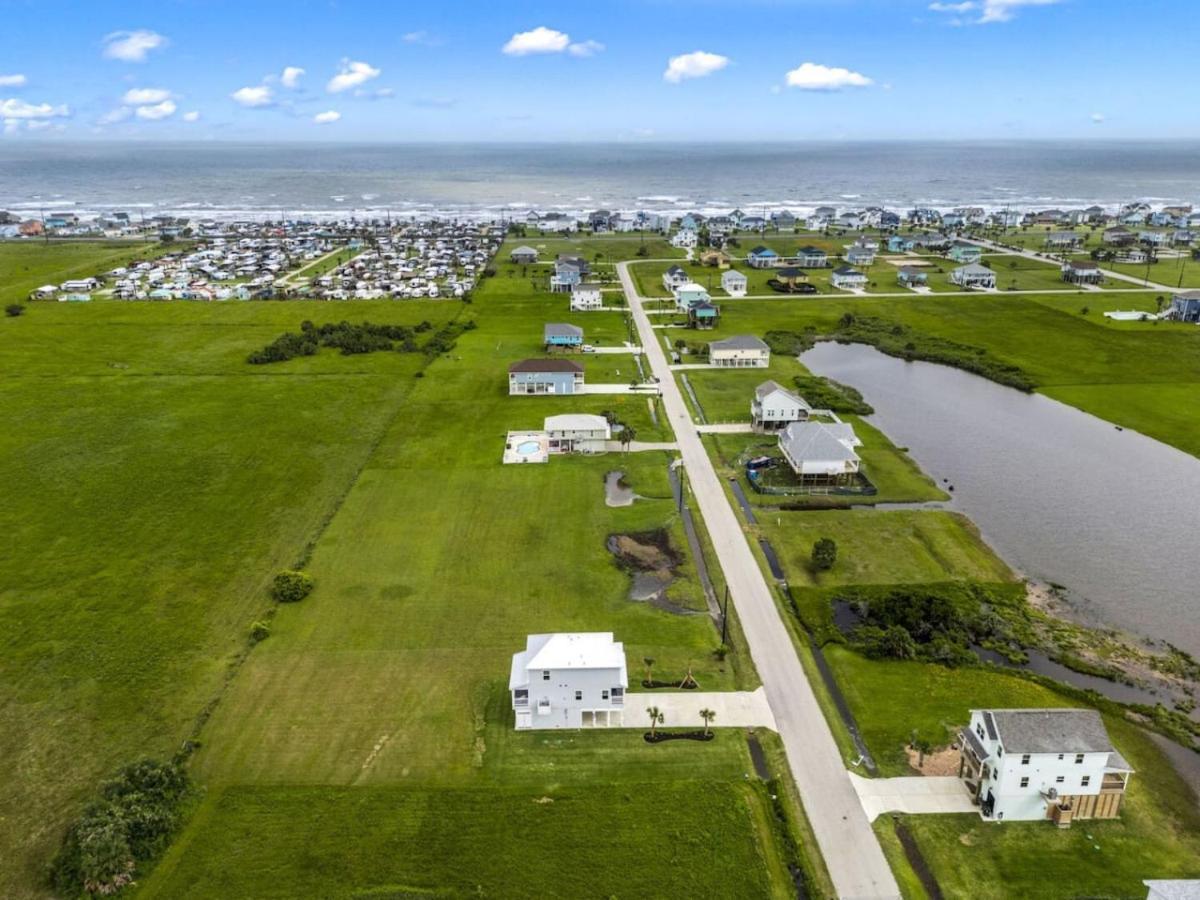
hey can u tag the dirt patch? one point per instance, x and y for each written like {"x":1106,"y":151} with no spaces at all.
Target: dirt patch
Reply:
{"x":943,"y":761}
{"x":543,"y":800}
{"x":644,"y":551}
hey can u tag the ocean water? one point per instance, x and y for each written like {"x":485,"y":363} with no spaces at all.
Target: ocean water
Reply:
{"x":223,"y":180}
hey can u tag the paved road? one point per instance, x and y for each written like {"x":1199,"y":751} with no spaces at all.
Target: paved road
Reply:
{"x":852,"y":854}
{"x":1120,"y":276}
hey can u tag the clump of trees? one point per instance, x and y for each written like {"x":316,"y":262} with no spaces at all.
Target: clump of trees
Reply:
{"x":291,"y":586}
{"x":935,"y":623}
{"x":128,"y":826}
{"x":355,"y":338}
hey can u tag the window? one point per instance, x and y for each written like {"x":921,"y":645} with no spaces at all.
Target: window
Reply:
{"x":1025,"y":759}
{"x":1085,"y":780}
{"x":579,"y":695}
{"x":1060,"y":756}
{"x":1025,"y":781}
{"x":1060,"y":779}
{"x":604,"y":695}
{"x":545,"y":675}
{"x":999,"y":751}
{"x":1078,"y":759}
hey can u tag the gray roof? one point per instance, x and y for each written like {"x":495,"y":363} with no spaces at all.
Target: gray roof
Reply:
{"x":974,"y":269}
{"x":739,"y":342}
{"x":769,"y":387}
{"x":559,"y":329}
{"x":976,"y":744}
{"x":1051,"y":731}
{"x":815,"y":440}
{"x":846,"y":270}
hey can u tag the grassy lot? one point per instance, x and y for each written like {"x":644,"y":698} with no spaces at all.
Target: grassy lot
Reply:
{"x":922,"y":546}
{"x":1183,"y":272}
{"x":610,"y":247}
{"x":155,"y":482}
{"x":25,"y":265}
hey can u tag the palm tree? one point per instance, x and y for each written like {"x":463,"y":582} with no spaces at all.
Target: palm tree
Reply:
{"x":648,"y":662}
{"x":628,"y":436}
{"x":707,"y":715}
{"x":656,"y":718}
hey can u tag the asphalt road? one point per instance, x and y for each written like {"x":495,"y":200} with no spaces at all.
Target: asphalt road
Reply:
{"x":852,"y":854}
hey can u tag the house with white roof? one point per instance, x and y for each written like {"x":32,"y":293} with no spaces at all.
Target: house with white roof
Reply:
{"x":1172,"y":889}
{"x":1029,"y":764}
{"x":973,"y":275}
{"x":733,"y":283}
{"x":684,"y":239}
{"x":586,"y":297}
{"x":689,"y":294}
{"x":743,"y":351}
{"x":569,"y":680}
{"x":577,"y":433}
{"x":774,"y":407}
{"x":820,"y":452}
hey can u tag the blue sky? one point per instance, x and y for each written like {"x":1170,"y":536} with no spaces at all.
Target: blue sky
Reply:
{"x":615,"y":70}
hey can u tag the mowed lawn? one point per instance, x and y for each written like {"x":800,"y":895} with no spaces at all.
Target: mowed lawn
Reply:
{"x":386,"y":688}
{"x":154,"y":484}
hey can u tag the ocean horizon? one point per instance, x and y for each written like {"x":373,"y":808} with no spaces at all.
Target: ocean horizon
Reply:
{"x":240,"y":179}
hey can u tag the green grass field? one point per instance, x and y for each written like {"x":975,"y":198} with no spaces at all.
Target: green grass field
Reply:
{"x":163,"y":481}
{"x":25,"y":265}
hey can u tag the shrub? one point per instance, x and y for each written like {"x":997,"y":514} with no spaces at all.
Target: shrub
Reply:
{"x":259,"y":631}
{"x":14,"y":309}
{"x":824,"y":554}
{"x":291,"y":586}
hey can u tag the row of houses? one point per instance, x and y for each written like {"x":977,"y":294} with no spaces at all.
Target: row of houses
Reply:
{"x":1018,"y":764}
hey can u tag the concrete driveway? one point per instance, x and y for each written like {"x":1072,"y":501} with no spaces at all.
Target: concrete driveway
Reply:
{"x":918,"y":794}
{"x":681,"y":709}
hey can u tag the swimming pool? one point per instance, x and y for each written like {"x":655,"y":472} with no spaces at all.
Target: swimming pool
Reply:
{"x":528,"y":448}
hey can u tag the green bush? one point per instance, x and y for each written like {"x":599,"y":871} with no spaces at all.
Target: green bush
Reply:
{"x":259,"y":631}
{"x":14,"y":309}
{"x":291,"y":586}
{"x":824,"y":554}
{"x":130,"y":825}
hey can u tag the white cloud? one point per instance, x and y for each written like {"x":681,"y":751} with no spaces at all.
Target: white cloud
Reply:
{"x":19,"y":109}
{"x":989,"y":10}
{"x":13,"y":80}
{"x":352,"y":74}
{"x":156,"y":111}
{"x":132,"y":46}
{"x":140,"y":96}
{"x":539,"y":40}
{"x":325,"y":118}
{"x":261,"y":95}
{"x":421,"y":38}
{"x":193,"y":116}
{"x":41,"y":125}
{"x":1097,"y":118}
{"x":290,"y":77}
{"x":816,"y":77}
{"x":693,"y":65}
{"x":585,"y":49}
{"x":113,"y":116}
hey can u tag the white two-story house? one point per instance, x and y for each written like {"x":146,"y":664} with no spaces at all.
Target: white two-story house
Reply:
{"x":775,"y":407}
{"x":1042,"y":764}
{"x":569,"y":680}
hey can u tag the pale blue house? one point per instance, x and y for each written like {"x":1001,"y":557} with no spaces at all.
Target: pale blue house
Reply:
{"x":900,"y":244}
{"x":965,"y":253}
{"x":545,"y":376}
{"x":562,"y":335}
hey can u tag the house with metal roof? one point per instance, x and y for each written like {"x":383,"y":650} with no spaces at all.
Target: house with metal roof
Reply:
{"x":911,"y":276}
{"x":703,"y":315}
{"x":577,"y":433}
{"x":974,"y":276}
{"x":762,"y":258}
{"x":586,"y":297}
{"x":774,"y":406}
{"x":743,"y":351}
{"x":674,"y":277}
{"x":1032,"y":764}
{"x":961,"y":251}
{"x":733,"y":283}
{"x":569,"y":680}
{"x":1185,"y":307}
{"x":848,"y":278}
{"x":821,"y":452}
{"x":1082,"y":271}
{"x":545,"y":376}
{"x":560,"y":334}
{"x":811,"y":258}
{"x":524,"y":255}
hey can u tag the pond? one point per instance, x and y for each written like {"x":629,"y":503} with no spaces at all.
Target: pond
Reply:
{"x":1065,"y":497}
